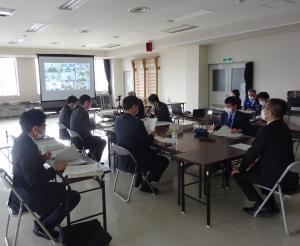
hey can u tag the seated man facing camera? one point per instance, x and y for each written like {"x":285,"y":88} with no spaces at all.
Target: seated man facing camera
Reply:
{"x":80,"y":122}
{"x":31,"y":178}
{"x":236,"y":120}
{"x":132,"y":135}
{"x":266,"y":160}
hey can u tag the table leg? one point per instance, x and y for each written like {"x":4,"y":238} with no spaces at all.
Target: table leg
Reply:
{"x":207,"y":179}
{"x":108,"y":145}
{"x":67,"y":205}
{"x":200,"y":182}
{"x":102,"y":183}
{"x":178,"y":184}
{"x":182,"y":187}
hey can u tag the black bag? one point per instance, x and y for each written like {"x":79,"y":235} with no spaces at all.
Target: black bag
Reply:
{"x":88,"y":233}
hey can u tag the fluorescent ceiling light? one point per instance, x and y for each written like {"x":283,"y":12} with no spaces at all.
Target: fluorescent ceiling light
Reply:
{"x":139,"y":10}
{"x":37,"y":27}
{"x":277,"y":3}
{"x":110,"y":46}
{"x":89,"y":45}
{"x":6,"y":12}
{"x":72,"y":4}
{"x":192,"y":15}
{"x":180,"y":28}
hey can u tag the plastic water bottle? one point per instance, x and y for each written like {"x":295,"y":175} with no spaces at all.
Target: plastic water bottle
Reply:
{"x":174,"y":139}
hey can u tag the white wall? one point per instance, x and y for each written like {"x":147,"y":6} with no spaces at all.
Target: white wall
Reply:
{"x":117,"y":79}
{"x":276,"y":60}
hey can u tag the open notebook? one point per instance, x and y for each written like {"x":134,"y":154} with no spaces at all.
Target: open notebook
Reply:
{"x":225,"y":131}
{"x":84,"y":170}
{"x":70,"y":155}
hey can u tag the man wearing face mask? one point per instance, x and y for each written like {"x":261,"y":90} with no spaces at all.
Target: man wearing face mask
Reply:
{"x":132,"y":135}
{"x":31,"y":178}
{"x":268,"y":157}
{"x":81,"y":123}
{"x":161,"y":110}
{"x":65,"y":116}
{"x":236,"y":120}
{"x":263,"y":98}
{"x":251,"y":102}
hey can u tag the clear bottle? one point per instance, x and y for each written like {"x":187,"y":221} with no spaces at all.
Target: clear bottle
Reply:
{"x":174,"y":138}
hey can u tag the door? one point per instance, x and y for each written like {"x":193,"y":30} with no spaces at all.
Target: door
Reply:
{"x":218,"y":84}
{"x":237,"y":80}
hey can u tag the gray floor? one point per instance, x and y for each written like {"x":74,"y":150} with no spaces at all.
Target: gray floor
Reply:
{"x":149,"y":220}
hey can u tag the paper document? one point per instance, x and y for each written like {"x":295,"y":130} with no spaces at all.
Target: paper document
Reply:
{"x":163,"y":123}
{"x":68,"y":154}
{"x":225,"y":131}
{"x":241,"y":146}
{"x":84,"y":170}
{"x":178,"y":128}
{"x":163,"y":140}
{"x":150,"y":124}
{"x":49,"y":144}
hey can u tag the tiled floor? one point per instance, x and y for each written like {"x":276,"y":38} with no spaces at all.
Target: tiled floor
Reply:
{"x":149,"y":220}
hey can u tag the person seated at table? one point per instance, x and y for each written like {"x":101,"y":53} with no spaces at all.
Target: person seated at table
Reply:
{"x":251,"y":102}
{"x":80,"y":123}
{"x":132,"y":135}
{"x":236,"y":120}
{"x":141,"y":108}
{"x":263,"y":97}
{"x":266,"y":160}
{"x":161,"y":111}
{"x":236,"y":93}
{"x":65,"y":116}
{"x":32,"y":180}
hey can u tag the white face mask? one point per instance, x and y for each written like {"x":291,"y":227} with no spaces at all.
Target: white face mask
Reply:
{"x":262,"y":103}
{"x":263,"y":115}
{"x":228,"y":110}
{"x":251,"y":98}
{"x":43,"y":134}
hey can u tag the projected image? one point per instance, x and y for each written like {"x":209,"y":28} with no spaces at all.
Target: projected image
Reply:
{"x":67,"y":76}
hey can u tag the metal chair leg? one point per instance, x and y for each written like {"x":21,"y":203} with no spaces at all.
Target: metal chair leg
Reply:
{"x":130,"y":189}
{"x":18,"y":225}
{"x":6,"y":230}
{"x":148,"y":183}
{"x":283,"y":211}
{"x":265,"y":201}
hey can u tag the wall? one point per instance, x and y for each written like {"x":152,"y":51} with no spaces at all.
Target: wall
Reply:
{"x":276,"y":60}
{"x":117,"y":79}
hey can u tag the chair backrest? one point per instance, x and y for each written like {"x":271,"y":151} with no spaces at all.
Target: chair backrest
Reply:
{"x":121,"y":151}
{"x":292,"y":167}
{"x":74,"y":134}
{"x":176,"y":108}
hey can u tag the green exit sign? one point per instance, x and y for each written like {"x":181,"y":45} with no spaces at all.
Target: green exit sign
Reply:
{"x":227,"y":59}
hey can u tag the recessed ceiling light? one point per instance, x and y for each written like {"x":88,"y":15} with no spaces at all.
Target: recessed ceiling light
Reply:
{"x":16,"y":41}
{"x":6,"y":12}
{"x":110,"y":46}
{"x":192,"y":15}
{"x":90,"y":45}
{"x":72,"y":5}
{"x":37,"y":27}
{"x":179,"y":28}
{"x":54,"y":43}
{"x":139,"y":10}
{"x":84,"y":31}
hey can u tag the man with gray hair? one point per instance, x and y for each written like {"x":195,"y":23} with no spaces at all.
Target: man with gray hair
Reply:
{"x":141,"y":109}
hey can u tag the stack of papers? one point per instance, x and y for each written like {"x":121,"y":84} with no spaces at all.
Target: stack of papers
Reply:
{"x":163,"y":123}
{"x":150,"y":124}
{"x":167,"y":141}
{"x":225,"y":131}
{"x":83,"y":170}
{"x":241,"y":146}
{"x":49,"y":145}
{"x":70,"y":155}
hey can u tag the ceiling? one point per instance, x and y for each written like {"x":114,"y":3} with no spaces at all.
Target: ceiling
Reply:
{"x":107,"y":19}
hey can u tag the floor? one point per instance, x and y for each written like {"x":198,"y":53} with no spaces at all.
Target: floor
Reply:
{"x":156,"y":220}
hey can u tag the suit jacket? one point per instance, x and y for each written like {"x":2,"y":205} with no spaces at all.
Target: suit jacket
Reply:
{"x":240,"y":121}
{"x":251,"y":105}
{"x":132,"y":135}
{"x":80,"y":122}
{"x":162,"y":112}
{"x":64,"y":118}
{"x":273,"y":148}
{"x":141,"y":112}
{"x":30,"y":178}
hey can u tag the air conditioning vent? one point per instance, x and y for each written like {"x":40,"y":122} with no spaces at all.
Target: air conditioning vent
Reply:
{"x":180,"y":28}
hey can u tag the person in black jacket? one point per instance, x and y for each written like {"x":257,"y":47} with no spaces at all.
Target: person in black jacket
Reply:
{"x":266,"y":160}
{"x":65,"y":116}
{"x":263,"y":97}
{"x":80,"y":122}
{"x":236,"y":93}
{"x":161,"y":110}
{"x":31,"y":178}
{"x":141,"y":108}
{"x":132,"y":135}
{"x":236,"y":120}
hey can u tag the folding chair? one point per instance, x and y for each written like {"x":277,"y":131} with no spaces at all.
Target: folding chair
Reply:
{"x":276,"y":187}
{"x":7,"y":180}
{"x":121,"y":151}
{"x":63,"y":127}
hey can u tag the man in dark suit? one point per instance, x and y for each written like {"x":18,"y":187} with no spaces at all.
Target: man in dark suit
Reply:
{"x":161,"y":110}
{"x":266,"y":160}
{"x":141,"y":108}
{"x":263,"y":97}
{"x":65,"y":116}
{"x":80,"y":122}
{"x":251,"y":102}
{"x":31,"y":179}
{"x":132,"y":135}
{"x":236,"y":120}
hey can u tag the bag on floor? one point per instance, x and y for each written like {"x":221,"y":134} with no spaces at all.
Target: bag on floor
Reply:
{"x":88,"y":233}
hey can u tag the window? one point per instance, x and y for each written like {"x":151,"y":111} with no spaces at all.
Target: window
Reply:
{"x":145,"y":76}
{"x":9,"y":85}
{"x":101,"y":83}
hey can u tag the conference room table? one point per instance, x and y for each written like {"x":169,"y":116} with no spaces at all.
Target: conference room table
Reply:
{"x":206,"y":155}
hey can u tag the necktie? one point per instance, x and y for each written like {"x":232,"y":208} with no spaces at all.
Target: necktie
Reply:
{"x":229,"y":120}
